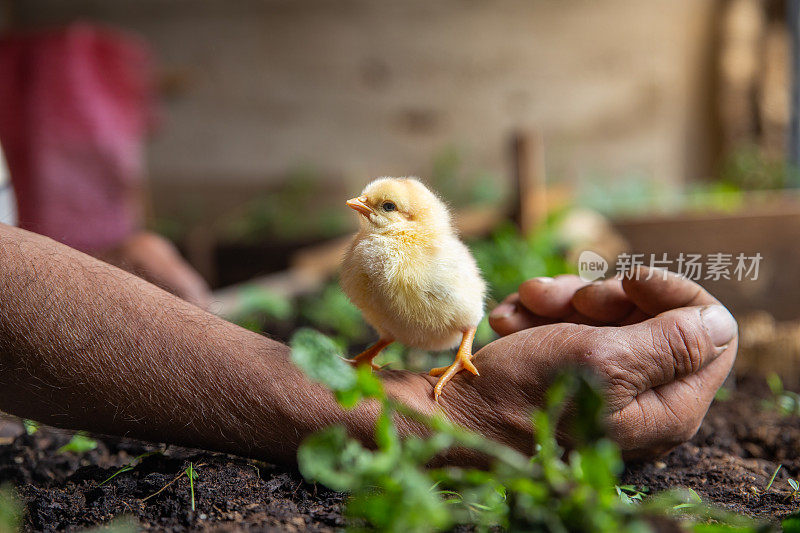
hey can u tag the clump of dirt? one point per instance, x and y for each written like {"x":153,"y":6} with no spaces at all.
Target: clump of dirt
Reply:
{"x":733,"y":457}
{"x":728,"y":463}
{"x":62,"y":491}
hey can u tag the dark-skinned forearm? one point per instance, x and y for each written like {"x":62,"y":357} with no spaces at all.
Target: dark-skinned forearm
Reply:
{"x":84,"y":345}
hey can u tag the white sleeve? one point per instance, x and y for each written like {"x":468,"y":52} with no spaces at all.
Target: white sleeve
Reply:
{"x":8,"y":204}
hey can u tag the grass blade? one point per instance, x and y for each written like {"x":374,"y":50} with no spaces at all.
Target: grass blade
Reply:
{"x":772,"y":479}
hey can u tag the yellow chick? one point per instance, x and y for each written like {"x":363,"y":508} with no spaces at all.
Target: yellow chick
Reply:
{"x":413,"y":279}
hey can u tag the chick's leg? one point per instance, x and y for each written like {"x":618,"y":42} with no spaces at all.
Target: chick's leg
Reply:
{"x":463,"y":362}
{"x":366,"y":357}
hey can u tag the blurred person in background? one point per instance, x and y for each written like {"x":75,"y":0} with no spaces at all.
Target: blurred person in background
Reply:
{"x":75,"y":107}
{"x":8,"y":207}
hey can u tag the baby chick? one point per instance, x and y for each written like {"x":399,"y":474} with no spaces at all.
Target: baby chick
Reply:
{"x":413,"y":279}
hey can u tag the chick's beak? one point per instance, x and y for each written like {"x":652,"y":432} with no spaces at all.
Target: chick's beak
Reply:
{"x":359,"y":204}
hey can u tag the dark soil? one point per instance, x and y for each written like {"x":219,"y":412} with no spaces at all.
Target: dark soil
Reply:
{"x":729,"y":463}
{"x":62,"y":491}
{"x":733,"y":456}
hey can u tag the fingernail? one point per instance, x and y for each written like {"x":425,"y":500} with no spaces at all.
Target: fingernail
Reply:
{"x":719,"y":323}
{"x":503,"y":311}
{"x":543,"y":279}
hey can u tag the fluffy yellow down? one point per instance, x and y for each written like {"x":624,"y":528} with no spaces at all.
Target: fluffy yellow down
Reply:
{"x":413,"y":279}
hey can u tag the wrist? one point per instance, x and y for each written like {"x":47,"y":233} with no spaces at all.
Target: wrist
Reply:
{"x":481,"y":407}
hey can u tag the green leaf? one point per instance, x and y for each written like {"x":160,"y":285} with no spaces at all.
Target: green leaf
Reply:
{"x":791,"y":524}
{"x":723,"y":394}
{"x":10,"y":509}
{"x":775,"y":383}
{"x":598,"y":465}
{"x":721,"y":528}
{"x":79,"y":443}
{"x":331,"y":458}
{"x":693,"y":497}
{"x":191,"y":473}
{"x":385,"y":433}
{"x":31,"y":426}
{"x":318,"y":356}
{"x":255,"y":299}
{"x":368,"y":384}
{"x":333,"y":311}
{"x":772,"y":479}
{"x":129,"y":466}
{"x":348,"y":398}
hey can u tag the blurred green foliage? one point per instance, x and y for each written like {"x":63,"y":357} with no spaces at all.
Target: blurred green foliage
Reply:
{"x":332,"y":311}
{"x":745,"y":170}
{"x":79,"y":443}
{"x":461,"y":187}
{"x":784,"y":402}
{"x":392,"y":489}
{"x":636,"y":195}
{"x":260,"y":305}
{"x":749,"y":168}
{"x":791,"y":524}
{"x":294,"y":212}
{"x":10,"y":510}
{"x":507,"y":258}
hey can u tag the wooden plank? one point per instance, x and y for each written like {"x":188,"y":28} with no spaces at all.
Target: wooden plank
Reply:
{"x":530,"y":176}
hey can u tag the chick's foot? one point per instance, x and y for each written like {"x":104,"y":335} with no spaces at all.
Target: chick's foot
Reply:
{"x":463,"y":361}
{"x":366,"y":357}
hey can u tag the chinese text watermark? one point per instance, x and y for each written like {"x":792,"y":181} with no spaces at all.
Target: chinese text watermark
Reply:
{"x":696,"y":267}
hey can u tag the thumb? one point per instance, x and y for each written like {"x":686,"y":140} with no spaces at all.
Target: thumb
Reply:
{"x":677,"y":343}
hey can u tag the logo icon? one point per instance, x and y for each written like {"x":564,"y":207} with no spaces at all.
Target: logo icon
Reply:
{"x":591,"y":266}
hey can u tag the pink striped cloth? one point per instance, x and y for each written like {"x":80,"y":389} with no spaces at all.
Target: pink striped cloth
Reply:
{"x":75,"y":108}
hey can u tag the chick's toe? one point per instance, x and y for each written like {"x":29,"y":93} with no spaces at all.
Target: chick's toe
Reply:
{"x":463,"y":361}
{"x":366,"y":357}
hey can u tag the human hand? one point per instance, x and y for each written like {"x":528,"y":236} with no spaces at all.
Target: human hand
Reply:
{"x":155,"y":259}
{"x":661,"y":346}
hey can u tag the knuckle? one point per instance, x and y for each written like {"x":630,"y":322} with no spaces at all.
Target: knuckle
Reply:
{"x":685,"y":342}
{"x":602,"y":356}
{"x":596,"y":347}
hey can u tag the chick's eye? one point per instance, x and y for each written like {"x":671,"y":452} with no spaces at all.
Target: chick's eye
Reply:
{"x":389,"y":206}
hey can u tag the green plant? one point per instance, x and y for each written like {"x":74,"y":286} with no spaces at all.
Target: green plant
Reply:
{"x":692,"y":500}
{"x":258,"y":305}
{"x":786,"y":403}
{"x":120,"y":524}
{"x":136,"y":461}
{"x":391,"y":488}
{"x":295,"y":211}
{"x":631,"y":493}
{"x":750,"y":169}
{"x":333,"y":312}
{"x":191,"y":473}
{"x":795,"y":489}
{"x":791,"y":524}
{"x":10,"y":510}
{"x":462,"y":187}
{"x":723,"y":394}
{"x":79,"y":443}
{"x":772,"y":479}
{"x":507,"y":258}
{"x":30,"y":426}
